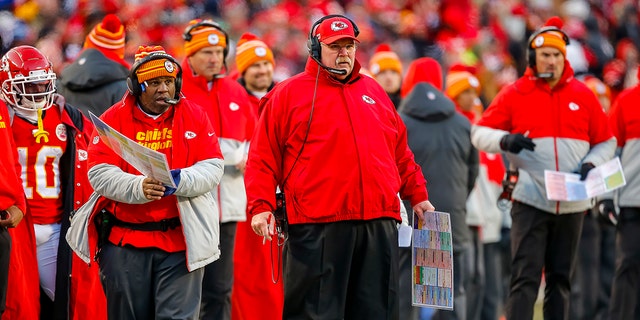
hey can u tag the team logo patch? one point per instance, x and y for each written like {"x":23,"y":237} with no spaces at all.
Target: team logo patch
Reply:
{"x":260,"y":51}
{"x":338,"y":25}
{"x":61,"y":132}
{"x":234,"y":106}
{"x":96,"y":139}
{"x":82,"y":155}
{"x":213,"y":39}
{"x":189,"y":134}
{"x":375,"y":68}
{"x":431,"y":95}
{"x":368,"y":99}
{"x":169,"y":66}
{"x":573,"y":106}
{"x":539,"y":41}
{"x":473,"y":81}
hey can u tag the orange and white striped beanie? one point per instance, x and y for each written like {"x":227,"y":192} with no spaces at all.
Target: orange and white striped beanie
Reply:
{"x":203,"y":36}
{"x":156,"y":67}
{"x":107,"y":35}
{"x":250,"y":50}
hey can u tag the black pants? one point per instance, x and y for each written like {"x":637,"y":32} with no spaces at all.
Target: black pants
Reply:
{"x":218,"y":278}
{"x":148,"y":283}
{"x":5,"y":250}
{"x":475,"y":285}
{"x":405,"y":278}
{"x":493,"y":291}
{"x":540,"y":240}
{"x":624,"y":293}
{"x":341,"y":270}
{"x":591,"y":283}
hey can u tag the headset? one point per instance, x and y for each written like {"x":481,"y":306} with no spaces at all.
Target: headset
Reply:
{"x":186,"y":35}
{"x":314,"y":46}
{"x":532,"y":52}
{"x":136,"y":88}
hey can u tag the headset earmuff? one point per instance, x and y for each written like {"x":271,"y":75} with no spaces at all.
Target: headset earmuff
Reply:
{"x":135,"y":88}
{"x":313,"y":44}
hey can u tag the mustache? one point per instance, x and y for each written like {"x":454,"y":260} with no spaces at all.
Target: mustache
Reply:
{"x":343,"y":59}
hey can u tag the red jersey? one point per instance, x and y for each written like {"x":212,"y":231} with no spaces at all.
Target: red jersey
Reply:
{"x":39,"y":165}
{"x":156,"y":134}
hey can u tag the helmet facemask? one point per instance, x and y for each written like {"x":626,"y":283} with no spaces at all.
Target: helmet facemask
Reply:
{"x":31,"y":92}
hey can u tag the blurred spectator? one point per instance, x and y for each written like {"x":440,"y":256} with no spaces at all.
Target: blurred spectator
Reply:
{"x":598,"y":44}
{"x":385,"y":66}
{"x":206,"y":45}
{"x":97,"y":79}
{"x":593,"y":277}
{"x":625,"y":124}
{"x":422,"y":70}
{"x":256,"y":266}
{"x":439,"y":136}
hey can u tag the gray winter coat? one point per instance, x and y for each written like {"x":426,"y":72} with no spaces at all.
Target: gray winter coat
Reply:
{"x":93,"y":82}
{"x":439,"y":137}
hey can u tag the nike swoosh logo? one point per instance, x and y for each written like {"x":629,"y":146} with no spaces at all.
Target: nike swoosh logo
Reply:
{"x":210,"y":134}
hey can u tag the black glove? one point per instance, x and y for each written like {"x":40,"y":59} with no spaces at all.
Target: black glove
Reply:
{"x":607,"y":211}
{"x":584,"y":170}
{"x":514,"y":143}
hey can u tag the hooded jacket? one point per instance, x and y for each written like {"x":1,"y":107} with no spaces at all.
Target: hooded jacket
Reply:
{"x":231,"y":114}
{"x":625,"y":124}
{"x":439,"y":137}
{"x":93,"y":82}
{"x":566,"y":123}
{"x":339,"y":154}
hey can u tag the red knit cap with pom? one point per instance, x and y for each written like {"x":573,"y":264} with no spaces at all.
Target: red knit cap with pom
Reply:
{"x":423,"y":69}
{"x":107,"y":36}
{"x":551,"y":36}
{"x":384,"y":59}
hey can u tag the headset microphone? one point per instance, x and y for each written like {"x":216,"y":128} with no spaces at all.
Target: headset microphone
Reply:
{"x":332,"y":70}
{"x":171,"y":101}
{"x":545,"y":75}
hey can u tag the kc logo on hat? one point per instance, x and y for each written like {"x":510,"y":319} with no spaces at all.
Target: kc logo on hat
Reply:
{"x":338,"y":25}
{"x":334,"y":29}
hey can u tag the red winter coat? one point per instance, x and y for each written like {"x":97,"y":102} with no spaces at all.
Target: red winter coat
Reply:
{"x":355,"y":159}
{"x":254,"y":295}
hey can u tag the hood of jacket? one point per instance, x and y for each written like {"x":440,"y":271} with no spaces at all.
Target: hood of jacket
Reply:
{"x":91,"y":70}
{"x":426,"y":103}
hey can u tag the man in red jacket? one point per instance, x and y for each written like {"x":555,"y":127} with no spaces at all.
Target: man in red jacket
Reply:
{"x":161,"y":236}
{"x":546,"y":120}
{"x":12,"y":203}
{"x":625,"y":124}
{"x":255,"y":295}
{"x":227,"y":105}
{"x":331,"y":140}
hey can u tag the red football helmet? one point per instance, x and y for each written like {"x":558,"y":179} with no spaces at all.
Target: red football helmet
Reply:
{"x":28,"y":80}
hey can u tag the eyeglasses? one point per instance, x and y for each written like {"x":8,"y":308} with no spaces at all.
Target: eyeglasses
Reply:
{"x":336,"y":48}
